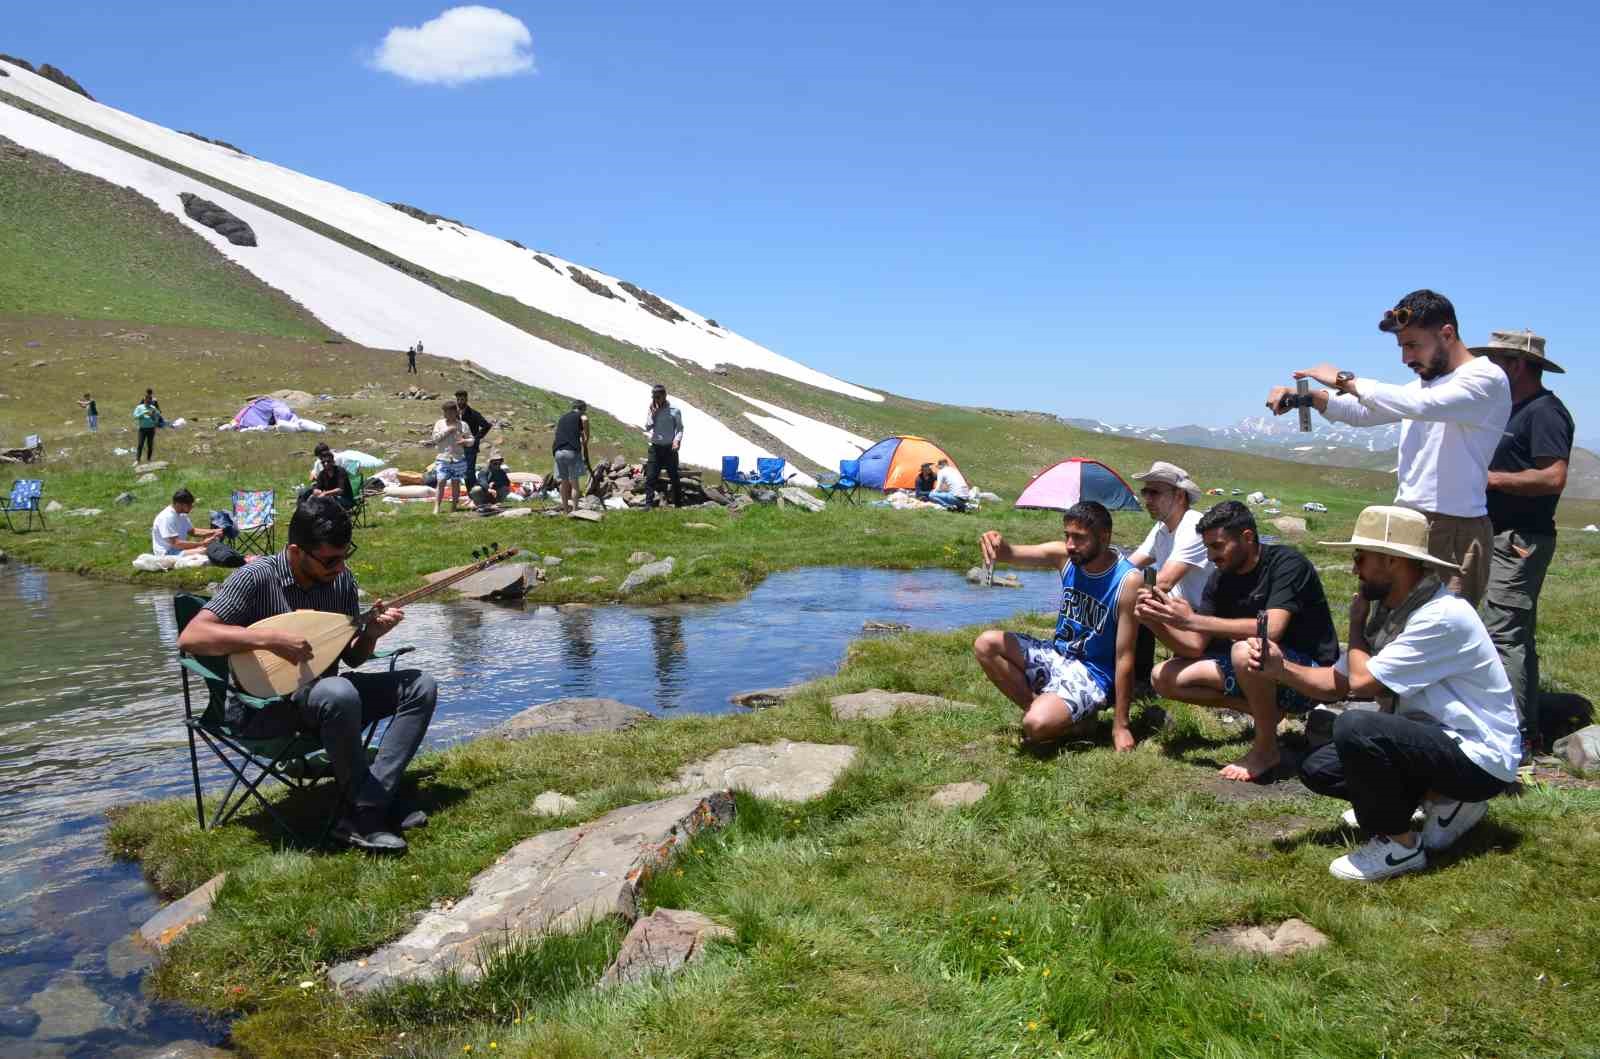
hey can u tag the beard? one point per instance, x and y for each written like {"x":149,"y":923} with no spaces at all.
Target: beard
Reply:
{"x":1372,"y":591}
{"x":1087,"y":555}
{"x":1435,"y":364}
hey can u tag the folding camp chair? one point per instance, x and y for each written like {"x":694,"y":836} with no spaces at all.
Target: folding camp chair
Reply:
{"x":255,"y":517}
{"x":733,"y":477}
{"x":846,"y":482}
{"x":358,"y":486}
{"x":24,"y":500}
{"x":769,"y":471}
{"x":297,"y":761}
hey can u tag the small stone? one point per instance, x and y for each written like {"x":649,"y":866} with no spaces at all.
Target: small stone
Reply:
{"x":1290,"y":526}
{"x":1288,"y":938}
{"x":952,"y":795}
{"x":976,"y":576}
{"x":800,"y":498}
{"x":785,"y":770}
{"x":39,"y":364}
{"x":661,"y":943}
{"x":84,"y":512}
{"x":167,"y":925}
{"x":596,"y":579}
{"x":762,"y":698}
{"x":552,"y":560}
{"x":877,"y":704}
{"x":1581,"y":749}
{"x":52,"y":507}
{"x":646,"y":574}
{"x":68,"y":1008}
{"x":554,"y":803}
{"x":639,"y":558}
{"x":584,"y":515}
{"x":144,"y":479}
{"x":873,"y":625}
{"x":126,"y":956}
{"x":564,"y":716}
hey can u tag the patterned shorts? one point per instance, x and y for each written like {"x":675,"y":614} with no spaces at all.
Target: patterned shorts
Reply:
{"x":1049,"y":672}
{"x":1289,"y":700}
{"x":448,"y":469}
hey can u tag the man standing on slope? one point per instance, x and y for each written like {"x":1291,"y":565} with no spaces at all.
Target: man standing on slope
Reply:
{"x":1449,"y":744}
{"x":664,"y":427}
{"x":1451,"y":419}
{"x":571,"y":451}
{"x":1173,"y":547}
{"x":1063,"y":682}
{"x":1526,"y":477}
{"x":479,"y":428}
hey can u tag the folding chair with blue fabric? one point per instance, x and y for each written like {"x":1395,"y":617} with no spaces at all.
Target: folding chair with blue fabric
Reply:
{"x":733,"y":477}
{"x":358,"y":486}
{"x":769,"y":471}
{"x":255,"y":517}
{"x":24,"y":500}
{"x":297,"y":761}
{"x":846,"y":482}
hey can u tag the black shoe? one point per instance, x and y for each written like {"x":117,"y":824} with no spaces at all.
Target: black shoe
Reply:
{"x":365,"y":830}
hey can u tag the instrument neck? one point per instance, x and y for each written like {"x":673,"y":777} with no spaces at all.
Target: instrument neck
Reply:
{"x":435,"y":586}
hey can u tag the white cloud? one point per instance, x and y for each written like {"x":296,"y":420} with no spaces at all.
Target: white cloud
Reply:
{"x":463,"y":44}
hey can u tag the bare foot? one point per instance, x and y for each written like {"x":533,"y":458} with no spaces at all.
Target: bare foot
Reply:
{"x":1254,"y":765}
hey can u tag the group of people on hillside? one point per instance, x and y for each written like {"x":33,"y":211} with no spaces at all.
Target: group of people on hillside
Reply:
{"x":1483,"y":460}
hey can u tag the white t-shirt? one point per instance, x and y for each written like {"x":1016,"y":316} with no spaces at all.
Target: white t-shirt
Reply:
{"x":167,"y":525}
{"x":950,"y":481}
{"x":449,"y":437}
{"x":1449,"y":428}
{"x":1444,"y":670}
{"x":1184,"y":545}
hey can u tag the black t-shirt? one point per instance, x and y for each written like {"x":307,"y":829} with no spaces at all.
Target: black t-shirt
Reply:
{"x":496,"y":478}
{"x":1540,"y":428}
{"x":1282,"y":579}
{"x":336,"y":477}
{"x":475,"y":421}
{"x":569,"y":433}
{"x":94,"y":409}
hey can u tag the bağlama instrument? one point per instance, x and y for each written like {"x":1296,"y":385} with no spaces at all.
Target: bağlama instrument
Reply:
{"x":267,"y":675}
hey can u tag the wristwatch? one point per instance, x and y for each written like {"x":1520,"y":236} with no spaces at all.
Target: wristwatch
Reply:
{"x":1342,"y":381}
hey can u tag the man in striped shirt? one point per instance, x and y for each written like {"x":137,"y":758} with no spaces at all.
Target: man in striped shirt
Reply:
{"x":310,"y":574}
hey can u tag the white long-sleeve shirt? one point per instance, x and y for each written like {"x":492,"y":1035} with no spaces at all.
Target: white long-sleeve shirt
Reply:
{"x":1449,"y":428}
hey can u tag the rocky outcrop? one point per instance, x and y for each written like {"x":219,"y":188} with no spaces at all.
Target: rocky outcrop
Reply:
{"x":218,"y":219}
{"x":661,"y":943}
{"x":424,"y":216}
{"x":589,"y":283}
{"x":64,"y":79}
{"x":952,"y":795}
{"x":762,"y":698}
{"x":214,"y":143}
{"x":785,"y":771}
{"x":652,"y":304}
{"x":644,"y":575}
{"x":545,"y":261}
{"x":572,"y":716}
{"x":555,"y":882}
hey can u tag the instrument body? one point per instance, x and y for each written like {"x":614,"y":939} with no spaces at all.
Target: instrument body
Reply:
{"x":268,"y":675}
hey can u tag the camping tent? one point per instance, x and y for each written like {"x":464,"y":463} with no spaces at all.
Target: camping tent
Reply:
{"x":893,"y":462}
{"x":269,"y":413}
{"x":1063,"y":484}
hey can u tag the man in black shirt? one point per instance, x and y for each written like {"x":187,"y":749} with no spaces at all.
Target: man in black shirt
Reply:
{"x":1210,"y":645}
{"x":495,"y":484}
{"x":330,"y":480}
{"x":1526,"y":477}
{"x":479,"y":427}
{"x":571,"y":451}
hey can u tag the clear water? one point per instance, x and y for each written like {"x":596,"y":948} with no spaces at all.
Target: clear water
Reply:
{"x":90,"y":717}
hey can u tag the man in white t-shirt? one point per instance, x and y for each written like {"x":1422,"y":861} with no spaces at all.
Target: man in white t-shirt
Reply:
{"x":171,"y":532}
{"x":1173,"y":547}
{"x":1451,"y":741}
{"x":949,"y":488}
{"x":1451,"y":420}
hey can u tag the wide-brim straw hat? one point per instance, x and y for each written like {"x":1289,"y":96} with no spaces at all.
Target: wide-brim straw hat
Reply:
{"x":1173,"y":475}
{"x":1524,"y":344}
{"x":1392,"y":531}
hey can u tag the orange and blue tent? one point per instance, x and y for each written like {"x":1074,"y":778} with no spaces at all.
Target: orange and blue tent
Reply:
{"x":893,"y":462}
{"x":1063,"y":484}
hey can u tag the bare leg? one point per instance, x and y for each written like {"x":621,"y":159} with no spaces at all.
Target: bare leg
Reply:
{"x":567,"y":489}
{"x":1192,"y":680}
{"x":1000,"y":657}
{"x":438,"y":497}
{"x":1261,"y":695}
{"x":1048,"y":720}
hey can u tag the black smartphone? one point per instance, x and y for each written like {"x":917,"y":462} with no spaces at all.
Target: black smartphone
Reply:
{"x":1261,"y":634}
{"x":1150,"y":576}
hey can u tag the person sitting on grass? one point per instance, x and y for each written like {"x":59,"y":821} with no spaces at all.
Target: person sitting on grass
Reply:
{"x":923,"y":487}
{"x":450,"y":435}
{"x":172,"y":533}
{"x":311,"y":574}
{"x":329,"y":480}
{"x":1209,"y":642}
{"x":1446,"y":739}
{"x":949,"y":488}
{"x":494,"y":484}
{"x":1061,"y":683}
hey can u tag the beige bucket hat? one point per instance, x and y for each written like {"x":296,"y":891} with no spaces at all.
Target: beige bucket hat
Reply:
{"x":1173,"y":475}
{"x":1524,"y":344}
{"x":1392,"y":531}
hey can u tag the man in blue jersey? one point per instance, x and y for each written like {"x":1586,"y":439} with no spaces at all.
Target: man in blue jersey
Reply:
{"x":1061,"y":683}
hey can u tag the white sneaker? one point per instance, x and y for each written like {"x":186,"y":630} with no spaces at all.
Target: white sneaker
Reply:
{"x":1448,"y":821}
{"x":1348,"y":819}
{"x":1378,"y":858}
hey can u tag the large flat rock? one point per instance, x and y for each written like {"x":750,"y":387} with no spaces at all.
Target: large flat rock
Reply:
{"x":876,"y":704}
{"x":569,"y":716}
{"x":661,"y":943}
{"x":785,"y":770}
{"x":555,"y":882}
{"x":167,"y":925}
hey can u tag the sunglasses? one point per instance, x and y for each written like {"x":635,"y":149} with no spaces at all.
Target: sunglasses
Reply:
{"x":334,"y":563}
{"x":1396,"y":319}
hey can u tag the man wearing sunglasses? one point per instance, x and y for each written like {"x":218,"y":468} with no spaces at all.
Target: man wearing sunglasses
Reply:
{"x":1451,"y":419}
{"x":312,"y":574}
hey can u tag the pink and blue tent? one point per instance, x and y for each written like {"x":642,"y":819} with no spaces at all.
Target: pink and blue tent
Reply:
{"x":1063,"y":484}
{"x":263,"y":412}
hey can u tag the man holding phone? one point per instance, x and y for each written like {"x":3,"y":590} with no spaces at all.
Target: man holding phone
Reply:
{"x":1253,"y":583}
{"x":1173,"y":557}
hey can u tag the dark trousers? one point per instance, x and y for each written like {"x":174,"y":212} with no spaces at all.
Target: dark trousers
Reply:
{"x":662,"y":458}
{"x":1511,"y":612}
{"x":339,"y":709}
{"x":472,"y":466}
{"x":147,"y":441}
{"x":411,"y":364}
{"x":1144,"y":655}
{"x":1383,"y":765}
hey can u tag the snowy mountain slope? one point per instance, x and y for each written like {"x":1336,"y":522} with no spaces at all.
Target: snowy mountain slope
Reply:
{"x":370,"y":302}
{"x":446,"y":248}
{"x":822,"y":442}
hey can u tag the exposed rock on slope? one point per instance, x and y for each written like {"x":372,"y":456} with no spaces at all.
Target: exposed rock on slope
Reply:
{"x":589,"y":283}
{"x":215,"y":217}
{"x":217,"y":143}
{"x":652,"y":303}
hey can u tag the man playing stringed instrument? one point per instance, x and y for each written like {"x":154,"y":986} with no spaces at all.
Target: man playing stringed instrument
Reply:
{"x":311,"y":574}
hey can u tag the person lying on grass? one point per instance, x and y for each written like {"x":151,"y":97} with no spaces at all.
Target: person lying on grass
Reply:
{"x":1063,"y":682}
{"x":1446,"y":738}
{"x":1209,"y":642}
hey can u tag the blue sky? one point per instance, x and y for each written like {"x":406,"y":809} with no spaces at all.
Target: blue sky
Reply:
{"x":1149,"y":215}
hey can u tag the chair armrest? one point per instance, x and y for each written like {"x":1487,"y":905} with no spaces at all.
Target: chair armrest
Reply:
{"x":253,"y":701}
{"x":392,"y":652}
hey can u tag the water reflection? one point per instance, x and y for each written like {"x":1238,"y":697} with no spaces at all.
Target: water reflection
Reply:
{"x":91,"y":715}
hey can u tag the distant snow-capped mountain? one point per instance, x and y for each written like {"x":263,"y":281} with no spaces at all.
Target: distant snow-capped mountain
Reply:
{"x":1327,"y":443}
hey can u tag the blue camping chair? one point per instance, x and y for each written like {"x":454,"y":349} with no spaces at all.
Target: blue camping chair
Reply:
{"x":733,"y":478}
{"x":769,"y":472}
{"x":24,"y":499}
{"x":847,"y":481}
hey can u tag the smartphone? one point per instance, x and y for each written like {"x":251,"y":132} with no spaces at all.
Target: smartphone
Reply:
{"x":1150,"y":576}
{"x":1261,"y":633}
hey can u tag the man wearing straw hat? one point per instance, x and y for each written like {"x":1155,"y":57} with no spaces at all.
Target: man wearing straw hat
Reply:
{"x":1445,"y":737}
{"x":1450,"y":417}
{"x":1526,"y":477}
{"x":1172,"y":547}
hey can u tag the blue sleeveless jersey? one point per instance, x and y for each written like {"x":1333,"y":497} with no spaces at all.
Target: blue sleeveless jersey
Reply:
{"x":1087,"y":626}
